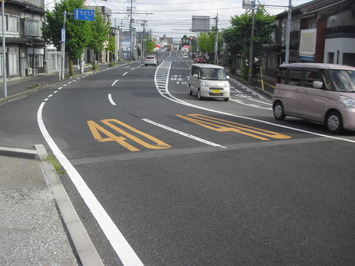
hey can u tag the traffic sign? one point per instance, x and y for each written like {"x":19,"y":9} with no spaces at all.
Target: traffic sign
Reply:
{"x":84,"y":14}
{"x":63,"y":34}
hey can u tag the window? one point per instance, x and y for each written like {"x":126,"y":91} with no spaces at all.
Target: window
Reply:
{"x":295,"y":77}
{"x":295,"y":26}
{"x":281,"y":77}
{"x":312,"y":24}
{"x":11,"y":24}
{"x":330,"y":58}
{"x":33,"y":27}
{"x":310,"y":76}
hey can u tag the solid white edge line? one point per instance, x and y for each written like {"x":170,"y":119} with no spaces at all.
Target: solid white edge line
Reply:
{"x":183,"y":133}
{"x":111,"y":100}
{"x":115,"y":237}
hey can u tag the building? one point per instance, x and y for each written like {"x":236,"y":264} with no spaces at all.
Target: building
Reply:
{"x":322,"y":31}
{"x":25,"y":46}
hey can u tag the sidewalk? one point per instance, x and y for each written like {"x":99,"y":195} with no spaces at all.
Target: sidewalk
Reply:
{"x":22,"y":86}
{"x":38,"y":223}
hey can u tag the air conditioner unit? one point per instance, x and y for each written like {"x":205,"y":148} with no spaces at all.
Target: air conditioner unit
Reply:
{"x":29,"y":71}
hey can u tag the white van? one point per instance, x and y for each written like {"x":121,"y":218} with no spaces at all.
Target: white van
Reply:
{"x":209,"y":81}
{"x":323,"y":93}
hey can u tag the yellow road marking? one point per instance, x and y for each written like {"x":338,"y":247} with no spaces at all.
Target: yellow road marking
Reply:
{"x":221,"y":125}
{"x":97,"y":129}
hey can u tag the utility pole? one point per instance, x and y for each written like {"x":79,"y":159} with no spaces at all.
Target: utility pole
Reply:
{"x":288,"y":32}
{"x":251,"y":53}
{"x":216,"y":43}
{"x":4,"y":68}
{"x":131,"y":31}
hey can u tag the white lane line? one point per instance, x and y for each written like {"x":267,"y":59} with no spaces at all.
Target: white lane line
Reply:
{"x":117,"y":240}
{"x":113,"y":84}
{"x":124,"y":74}
{"x":110,"y":99}
{"x":183,"y":133}
{"x":250,"y":105}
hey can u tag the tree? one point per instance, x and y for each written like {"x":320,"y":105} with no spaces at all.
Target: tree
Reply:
{"x":206,"y":42}
{"x":78,"y":32}
{"x":112,"y":46}
{"x":237,"y":37}
{"x":100,"y":30}
{"x":150,"y":45}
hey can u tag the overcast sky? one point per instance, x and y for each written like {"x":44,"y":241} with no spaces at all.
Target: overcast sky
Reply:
{"x":174,"y":17}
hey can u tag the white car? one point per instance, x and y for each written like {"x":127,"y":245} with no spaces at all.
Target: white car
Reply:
{"x":209,"y":81}
{"x":185,"y":56}
{"x":150,"y":60}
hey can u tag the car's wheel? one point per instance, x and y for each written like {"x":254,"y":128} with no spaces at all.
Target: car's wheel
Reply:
{"x":190,"y":91}
{"x":199,"y":94}
{"x":226,"y":99}
{"x":334,"y":122}
{"x":278,"y":109}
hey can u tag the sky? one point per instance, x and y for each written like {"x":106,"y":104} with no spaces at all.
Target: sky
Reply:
{"x":173,"y":18}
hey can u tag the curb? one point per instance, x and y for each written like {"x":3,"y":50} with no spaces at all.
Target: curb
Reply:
{"x":21,"y":95}
{"x":77,"y":233}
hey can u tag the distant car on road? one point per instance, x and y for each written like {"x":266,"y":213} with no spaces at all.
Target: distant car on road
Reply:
{"x":151,"y":60}
{"x":200,"y":59}
{"x":185,"y":56}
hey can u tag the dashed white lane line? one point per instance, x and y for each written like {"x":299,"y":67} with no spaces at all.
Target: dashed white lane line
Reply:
{"x":113,"y":84}
{"x":111,"y":100}
{"x":183,"y":133}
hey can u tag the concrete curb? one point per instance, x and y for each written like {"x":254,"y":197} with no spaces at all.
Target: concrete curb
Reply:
{"x":84,"y":247}
{"x":21,"y":95}
{"x":82,"y":243}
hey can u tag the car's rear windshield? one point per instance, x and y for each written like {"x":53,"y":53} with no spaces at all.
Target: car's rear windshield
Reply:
{"x":343,"y":80}
{"x":213,"y":74}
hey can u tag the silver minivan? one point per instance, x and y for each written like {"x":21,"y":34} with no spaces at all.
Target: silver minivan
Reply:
{"x":209,"y":81}
{"x":319,"y":92}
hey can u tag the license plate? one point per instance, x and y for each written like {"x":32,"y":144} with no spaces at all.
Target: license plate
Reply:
{"x":216,"y":91}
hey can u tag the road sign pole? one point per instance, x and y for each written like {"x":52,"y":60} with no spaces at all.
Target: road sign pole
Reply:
{"x":63,"y":45}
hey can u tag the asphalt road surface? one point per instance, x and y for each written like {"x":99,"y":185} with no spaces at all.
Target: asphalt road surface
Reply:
{"x":161,"y":178}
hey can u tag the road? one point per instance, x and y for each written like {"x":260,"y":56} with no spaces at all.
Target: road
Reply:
{"x":161,"y":178}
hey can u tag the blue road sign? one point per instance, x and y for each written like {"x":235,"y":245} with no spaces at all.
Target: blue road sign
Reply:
{"x":84,"y":14}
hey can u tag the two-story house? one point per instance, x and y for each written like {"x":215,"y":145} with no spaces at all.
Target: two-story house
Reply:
{"x":322,"y":31}
{"x":25,"y":47}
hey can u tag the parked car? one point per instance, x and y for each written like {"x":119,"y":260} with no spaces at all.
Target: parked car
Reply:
{"x":318,"y":92}
{"x":200,"y":59}
{"x":151,"y":60}
{"x":209,"y":81}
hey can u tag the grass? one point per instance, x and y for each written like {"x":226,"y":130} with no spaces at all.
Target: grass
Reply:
{"x":35,"y":86}
{"x":57,"y":166}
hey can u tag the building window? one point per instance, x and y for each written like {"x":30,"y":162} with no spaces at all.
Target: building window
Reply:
{"x":312,"y":24}
{"x":330,"y":58}
{"x":33,"y":27}
{"x":295,"y":26}
{"x":11,"y":24}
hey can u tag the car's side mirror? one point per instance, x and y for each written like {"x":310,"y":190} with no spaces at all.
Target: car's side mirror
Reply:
{"x":317,"y":84}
